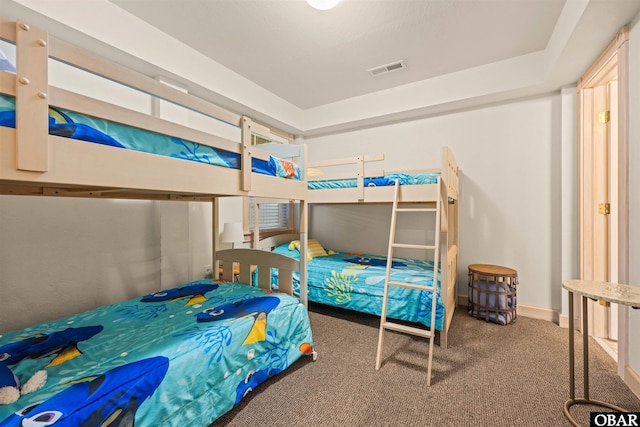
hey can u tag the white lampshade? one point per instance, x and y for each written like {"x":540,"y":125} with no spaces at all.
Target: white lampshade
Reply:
{"x":232,"y":232}
{"x":323,"y":4}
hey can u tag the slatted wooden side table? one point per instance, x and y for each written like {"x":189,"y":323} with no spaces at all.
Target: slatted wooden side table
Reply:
{"x":492,"y":293}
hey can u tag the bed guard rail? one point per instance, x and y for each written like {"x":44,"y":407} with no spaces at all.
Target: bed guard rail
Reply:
{"x":33,"y":95}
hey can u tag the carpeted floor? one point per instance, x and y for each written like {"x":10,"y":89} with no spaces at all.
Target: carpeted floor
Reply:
{"x":491,"y":375}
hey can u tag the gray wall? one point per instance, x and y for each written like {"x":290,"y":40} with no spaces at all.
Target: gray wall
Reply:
{"x":62,"y":256}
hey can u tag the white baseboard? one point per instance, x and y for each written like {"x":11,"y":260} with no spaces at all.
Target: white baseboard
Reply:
{"x":632,"y":379}
{"x":607,"y":348}
{"x":563,"y":321}
{"x":528,"y":311}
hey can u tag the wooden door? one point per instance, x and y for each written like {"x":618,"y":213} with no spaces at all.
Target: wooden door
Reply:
{"x":603,"y":191}
{"x":614,"y":217}
{"x":597,"y":231}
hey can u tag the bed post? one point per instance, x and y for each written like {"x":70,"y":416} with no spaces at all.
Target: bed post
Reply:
{"x":304,"y":224}
{"x":215,"y":240}
{"x":454,"y":212}
{"x":32,"y":105}
{"x":249,"y":129}
{"x":303,"y":251}
{"x":360,"y":177}
{"x":256,"y":223}
{"x":245,"y":153}
{"x":445,"y":225}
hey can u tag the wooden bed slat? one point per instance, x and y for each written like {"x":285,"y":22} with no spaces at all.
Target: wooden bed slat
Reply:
{"x":347,"y":161}
{"x":246,"y":153}
{"x":7,"y":83}
{"x":75,"y":102}
{"x":91,"y":62}
{"x":245,"y":273}
{"x":285,"y":282}
{"x":264,"y":260}
{"x":264,"y":276}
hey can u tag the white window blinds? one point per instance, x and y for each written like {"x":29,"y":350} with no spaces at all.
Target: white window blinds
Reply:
{"x":273,"y":216}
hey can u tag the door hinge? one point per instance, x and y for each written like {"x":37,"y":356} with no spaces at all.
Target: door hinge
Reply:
{"x":604,"y":208}
{"x":604,"y":117}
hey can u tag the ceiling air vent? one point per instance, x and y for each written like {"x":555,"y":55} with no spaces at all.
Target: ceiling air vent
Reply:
{"x":394,"y":66}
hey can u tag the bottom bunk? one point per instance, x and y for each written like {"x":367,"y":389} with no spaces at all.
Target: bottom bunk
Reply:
{"x":355,"y":281}
{"x":182,"y":356}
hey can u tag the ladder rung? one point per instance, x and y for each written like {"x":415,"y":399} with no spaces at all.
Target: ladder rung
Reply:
{"x":412,"y":286}
{"x":415,"y":209}
{"x":409,"y":246}
{"x":407,"y":329}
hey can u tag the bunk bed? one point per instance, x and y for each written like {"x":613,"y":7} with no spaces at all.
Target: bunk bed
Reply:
{"x":55,"y":142}
{"x":329,"y":276}
{"x":176,"y":357}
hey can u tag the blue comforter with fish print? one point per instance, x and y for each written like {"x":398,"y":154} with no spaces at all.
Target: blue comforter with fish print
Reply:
{"x":180,"y":357}
{"x":356,"y":281}
{"x":73,"y":125}
{"x":418,"y":178}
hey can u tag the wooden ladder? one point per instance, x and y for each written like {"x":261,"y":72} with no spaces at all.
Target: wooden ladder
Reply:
{"x":384,"y":323}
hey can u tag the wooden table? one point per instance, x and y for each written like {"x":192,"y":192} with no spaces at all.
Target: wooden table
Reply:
{"x":493,"y":270}
{"x":600,"y":291}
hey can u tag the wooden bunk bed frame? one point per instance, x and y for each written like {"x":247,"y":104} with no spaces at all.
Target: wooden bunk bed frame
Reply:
{"x":33,"y":162}
{"x":409,"y":194}
{"x":39,"y":163}
{"x":362,"y":194}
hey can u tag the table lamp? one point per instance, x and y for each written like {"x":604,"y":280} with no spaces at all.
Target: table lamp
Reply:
{"x":232,"y":233}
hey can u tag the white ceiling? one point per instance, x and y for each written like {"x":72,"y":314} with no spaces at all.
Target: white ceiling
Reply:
{"x":305,"y":70}
{"x":310,"y":57}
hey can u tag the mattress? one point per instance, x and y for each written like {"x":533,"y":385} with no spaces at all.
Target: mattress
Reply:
{"x":355,"y":281}
{"x":386,"y":180}
{"x":92,"y":129}
{"x":179,"y":357}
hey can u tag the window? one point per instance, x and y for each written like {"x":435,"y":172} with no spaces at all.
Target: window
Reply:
{"x":257,"y":140}
{"x":272,"y":216}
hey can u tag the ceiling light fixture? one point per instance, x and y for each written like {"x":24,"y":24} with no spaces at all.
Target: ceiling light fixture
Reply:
{"x":323,"y":4}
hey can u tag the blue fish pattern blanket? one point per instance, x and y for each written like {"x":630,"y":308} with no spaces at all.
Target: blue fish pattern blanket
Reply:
{"x":73,"y":125}
{"x":356,"y":282}
{"x":381,"y":181}
{"x":180,"y":357}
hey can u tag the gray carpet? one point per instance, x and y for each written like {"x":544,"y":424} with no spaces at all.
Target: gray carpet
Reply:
{"x":491,"y":375}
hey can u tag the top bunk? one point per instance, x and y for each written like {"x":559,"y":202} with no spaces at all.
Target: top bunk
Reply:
{"x":360,"y":184}
{"x":57,"y":141}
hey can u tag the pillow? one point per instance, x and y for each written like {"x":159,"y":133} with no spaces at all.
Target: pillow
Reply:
{"x":314,"y":248}
{"x":314,"y":172}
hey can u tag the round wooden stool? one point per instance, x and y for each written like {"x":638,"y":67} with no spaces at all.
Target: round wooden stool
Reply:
{"x":492,"y":293}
